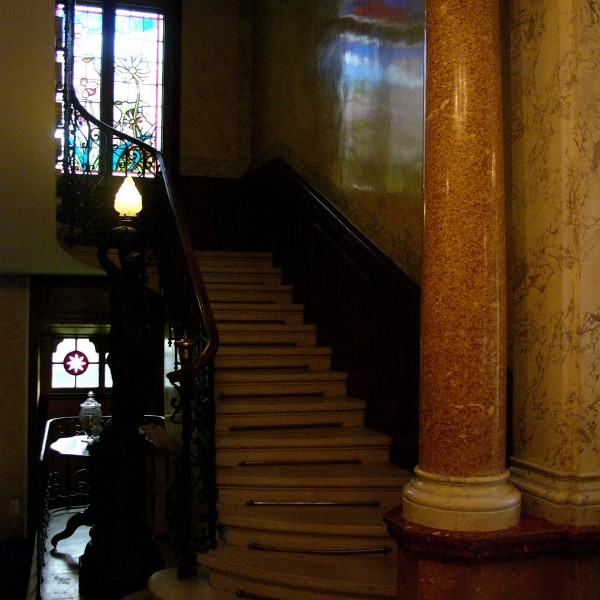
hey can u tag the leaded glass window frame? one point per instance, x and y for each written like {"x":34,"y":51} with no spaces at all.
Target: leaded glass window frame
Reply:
{"x":106,"y":70}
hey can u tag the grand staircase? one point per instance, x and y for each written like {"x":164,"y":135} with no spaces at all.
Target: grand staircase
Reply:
{"x":302,"y":483}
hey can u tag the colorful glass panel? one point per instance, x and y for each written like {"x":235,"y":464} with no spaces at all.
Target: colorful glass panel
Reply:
{"x":87,"y":68}
{"x":138,"y":92}
{"x":138,"y":86}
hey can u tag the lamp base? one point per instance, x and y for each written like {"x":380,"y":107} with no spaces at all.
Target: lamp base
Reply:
{"x":121,"y":554}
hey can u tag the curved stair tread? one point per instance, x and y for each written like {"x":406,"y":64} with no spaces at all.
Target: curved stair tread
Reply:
{"x":273,"y":351}
{"x":237,"y":255}
{"x":247,"y":287}
{"x":165,"y":585}
{"x":283,"y":328}
{"x":369,"y":577}
{"x":262,"y":267}
{"x":277,"y":375}
{"x":351,"y":520}
{"x":247,"y":274}
{"x":384,"y":475}
{"x":276,"y":404}
{"x":241,"y":307}
{"x":294,"y":438}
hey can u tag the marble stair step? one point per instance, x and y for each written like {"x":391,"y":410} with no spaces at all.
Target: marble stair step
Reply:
{"x":252,"y":327}
{"x":251,"y":334}
{"x":277,"y":404}
{"x":263,"y":294}
{"x":278,"y":375}
{"x":272,"y":357}
{"x":321,"y":383}
{"x":323,"y":437}
{"x":230,"y":312}
{"x":239,"y":277}
{"x":322,"y":528}
{"x":217,"y":259}
{"x":277,"y":411}
{"x":296,"y":485}
{"x":165,"y":585}
{"x":231,"y":267}
{"x":314,"y":445}
{"x":283,"y":576}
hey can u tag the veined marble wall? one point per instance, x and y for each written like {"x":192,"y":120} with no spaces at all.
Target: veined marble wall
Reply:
{"x":216,"y":104}
{"x":338,"y":93}
{"x":14,"y":331}
{"x":554,"y":268}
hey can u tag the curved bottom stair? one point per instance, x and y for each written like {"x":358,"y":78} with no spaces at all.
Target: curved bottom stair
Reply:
{"x":302,"y":484}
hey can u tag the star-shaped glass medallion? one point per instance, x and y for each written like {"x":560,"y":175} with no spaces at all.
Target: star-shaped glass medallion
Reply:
{"x":75,"y":363}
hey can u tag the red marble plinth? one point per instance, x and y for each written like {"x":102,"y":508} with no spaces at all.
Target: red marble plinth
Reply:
{"x":535,"y":560}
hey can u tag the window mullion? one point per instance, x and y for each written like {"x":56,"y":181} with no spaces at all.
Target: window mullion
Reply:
{"x":107,"y":88}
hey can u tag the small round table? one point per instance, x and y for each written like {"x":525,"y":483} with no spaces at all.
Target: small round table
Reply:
{"x":77,"y":445}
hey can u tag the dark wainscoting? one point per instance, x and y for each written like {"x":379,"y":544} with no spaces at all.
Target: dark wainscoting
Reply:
{"x":219,"y":213}
{"x":366,"y":308}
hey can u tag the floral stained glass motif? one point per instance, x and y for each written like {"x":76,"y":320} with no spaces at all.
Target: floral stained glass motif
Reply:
{"x":137,"y":75}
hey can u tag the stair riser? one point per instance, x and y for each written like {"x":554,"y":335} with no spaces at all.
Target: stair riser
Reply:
{"x":233,"y":584}
{"x":238,"y":536}
{"x":258,"y":376}
{"x":254,"y":338}
{"x":265,"y":362}
{"x":274,"y":389}
{"x":259,"y":278}
{"x":232,"y":264}
{"x":277,"y":405}
{"x":255,"y":296}
{"x":230,"y":458}
{"x":347,"y":419}
{"x":233,"y":316}
{"x":273,"y":352}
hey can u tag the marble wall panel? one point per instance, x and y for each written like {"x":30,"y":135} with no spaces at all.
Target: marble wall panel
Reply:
{"x":554,"y":233}
{"x":215,"y":88}
{"x":338,"y":92}
{"x":14,"y":311}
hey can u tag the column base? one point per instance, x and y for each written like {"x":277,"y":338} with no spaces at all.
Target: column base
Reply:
{"x":572,"y":498}
{"x":536,"y":560}
{"x":461,"y":503}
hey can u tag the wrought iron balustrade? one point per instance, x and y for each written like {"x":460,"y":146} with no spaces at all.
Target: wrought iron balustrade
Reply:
{"x":94,"y":159}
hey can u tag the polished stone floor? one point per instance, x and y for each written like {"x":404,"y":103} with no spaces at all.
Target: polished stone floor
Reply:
{"x":61,"y":569}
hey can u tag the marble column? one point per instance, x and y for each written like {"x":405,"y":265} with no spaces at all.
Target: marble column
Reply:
{"x":461,"y":480}
{"x":554,"y":258}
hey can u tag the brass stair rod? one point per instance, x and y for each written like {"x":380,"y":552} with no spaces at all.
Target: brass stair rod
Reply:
{"x":374,"y":503}
{"x":332,"y":424}
{"x":276,"y":463}
{"x":379,"y":550}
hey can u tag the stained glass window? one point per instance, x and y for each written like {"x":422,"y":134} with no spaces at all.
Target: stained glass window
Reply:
{"x":138,"y":77}
{"x":75,"y":364}
{"x":135,"y":76}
